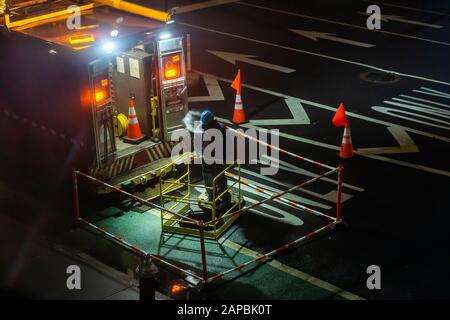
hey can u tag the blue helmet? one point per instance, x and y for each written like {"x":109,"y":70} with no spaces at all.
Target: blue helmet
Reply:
{"x":206,"y":117}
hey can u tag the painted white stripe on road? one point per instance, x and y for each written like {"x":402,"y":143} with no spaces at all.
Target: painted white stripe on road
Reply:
{"x":278,"y":265}
{"x":214,"y":91}
{"x":406,"y":144}
{"x":314,"y":54}
{"x":330,"y":196}
{"x":387,"y":18}
{"x":286,"y":166}
{"x":200,"y":6}
{"x":343,"y":24}
{"x":433,"y":93}
{"x":281,"y":215}
{"x":333,"y":109}
{"x":314,"y":35}
{"x":288,"y":196}
{"x":286,"y":218}
{"x":426,"y":108}
{"x":329,"y":146}
{"x":395,"y":113}
{"x":425,"y":100}
{"x":232,"y":58}
{"x":299,"y":114}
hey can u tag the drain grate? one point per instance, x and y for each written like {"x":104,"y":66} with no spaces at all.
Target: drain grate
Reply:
{"x":379,"y":77}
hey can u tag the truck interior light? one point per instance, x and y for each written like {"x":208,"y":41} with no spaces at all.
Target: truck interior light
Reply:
{"x":172,"y":66}
{"x":164,"y":35}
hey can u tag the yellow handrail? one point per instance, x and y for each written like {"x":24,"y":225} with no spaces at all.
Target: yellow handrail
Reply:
{"x":184,"y":202}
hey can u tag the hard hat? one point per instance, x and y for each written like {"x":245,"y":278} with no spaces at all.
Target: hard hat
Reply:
{"x":206,"y":117}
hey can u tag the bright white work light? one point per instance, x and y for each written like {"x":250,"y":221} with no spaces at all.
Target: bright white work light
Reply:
{"x":109,"y":46}
{"x":164,"y":35}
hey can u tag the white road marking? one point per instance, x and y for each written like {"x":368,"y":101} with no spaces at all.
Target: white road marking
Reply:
{"x":371,"y":156}
{"x":420,"y":107}
{"x":286,"y":217}
{"x":425,"y":100}
{"x":432,"y":92}
{"x":333,"y":147}
{"x":200,"y":6}
{"x":314,"y":54}
{"x":214,"y":91}
{"x":314,"y":35}
{"x":281,"y":215}
{"x":298,"y":170}
{"x":282,"y":267}
{"x":333,"y":109}
{"x":409,"y":8}
{"x":330,"y":196}
{"x":344,"y":24}
{"x":299,"y":115}
{"x":406,"y":144}
{"x":395,"y":113}
{"x":292,"y":271}
{"x":288,"y":196}
{"x":387,"y":18}
{"x":232,"y":57}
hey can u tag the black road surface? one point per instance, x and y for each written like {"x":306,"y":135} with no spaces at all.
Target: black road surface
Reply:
{"x":400,"y":219}
{"x":395,"y":85}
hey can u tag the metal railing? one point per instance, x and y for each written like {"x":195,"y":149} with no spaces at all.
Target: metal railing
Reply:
{"x":229,"y":215}
{"x":182,"y":203}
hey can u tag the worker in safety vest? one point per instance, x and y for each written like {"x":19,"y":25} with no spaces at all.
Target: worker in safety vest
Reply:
{"x":211,"y":170}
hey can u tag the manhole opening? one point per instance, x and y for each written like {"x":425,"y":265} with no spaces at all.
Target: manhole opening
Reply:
{"x":379,"y":77}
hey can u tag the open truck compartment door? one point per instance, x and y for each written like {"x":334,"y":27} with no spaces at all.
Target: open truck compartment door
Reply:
{"x":114,"y":55}
{"x":102,"y":110}
{"x":172,"y":83}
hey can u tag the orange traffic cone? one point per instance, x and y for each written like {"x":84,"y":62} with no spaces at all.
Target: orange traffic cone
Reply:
{"x":134,"y":134}
{"x":239,"y":114}
{"x":346,"y":147}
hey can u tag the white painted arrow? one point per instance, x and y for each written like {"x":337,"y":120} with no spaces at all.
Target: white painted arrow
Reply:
{"x":406,"y":144}
{"x":233,"y":57}
{"x":214,"y":91}
{"x":298,"y":113}
{"x":314,"y":35}
{"x":387,"y":18}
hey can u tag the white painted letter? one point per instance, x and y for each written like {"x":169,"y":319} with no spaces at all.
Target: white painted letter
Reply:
{"x":74,"y":280}
{"x":374,"y":280}
{"x":74,"y":20}
{"x":374,"y":20}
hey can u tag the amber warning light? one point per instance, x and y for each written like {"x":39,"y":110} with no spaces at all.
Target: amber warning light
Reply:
{"x":101,"y":86}
{"x":172,"y":66}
